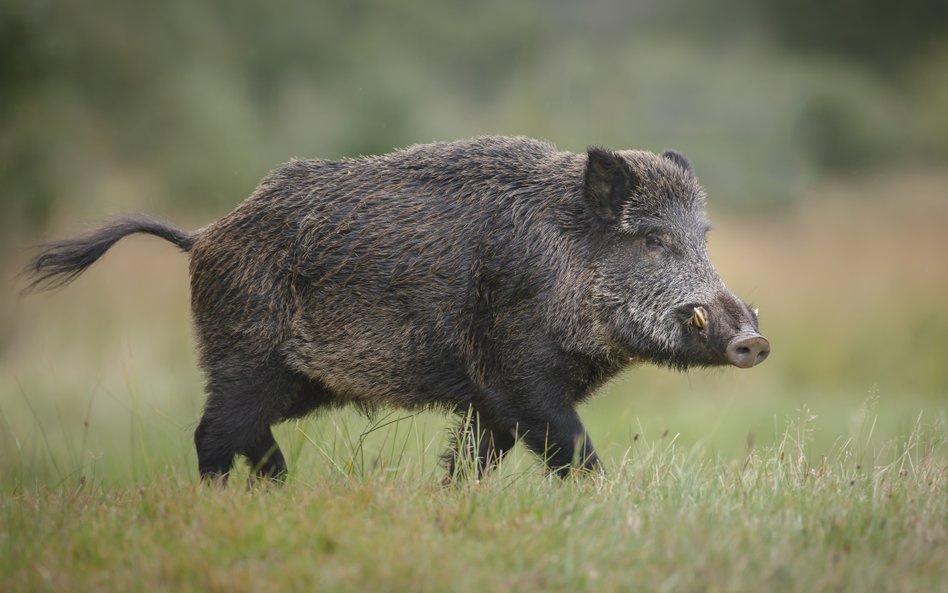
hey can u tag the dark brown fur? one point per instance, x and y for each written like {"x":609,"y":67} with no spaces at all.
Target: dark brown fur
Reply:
{"x":494,"y":274}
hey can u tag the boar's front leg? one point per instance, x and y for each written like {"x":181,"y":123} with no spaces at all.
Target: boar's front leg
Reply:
{"x":557,"y":435}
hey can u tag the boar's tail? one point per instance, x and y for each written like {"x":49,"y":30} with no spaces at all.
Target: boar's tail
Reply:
{"x":59,"y":262}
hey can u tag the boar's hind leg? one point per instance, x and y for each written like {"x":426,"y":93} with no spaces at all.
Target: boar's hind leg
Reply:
{"x":492,"y":444}
{"x":558,"y":436}
{"x":243,"y":401}
{"x":265,"y":458}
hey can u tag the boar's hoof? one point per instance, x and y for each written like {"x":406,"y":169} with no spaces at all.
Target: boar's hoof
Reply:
{"x":747,"y":350}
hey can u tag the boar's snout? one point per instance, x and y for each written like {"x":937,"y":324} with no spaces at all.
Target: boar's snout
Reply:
{"x":728,"y":329}
{"x":747,"y":350}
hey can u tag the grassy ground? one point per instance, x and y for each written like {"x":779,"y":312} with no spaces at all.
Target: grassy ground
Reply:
{"x":667,"y":519}
{"x":825,"y":468}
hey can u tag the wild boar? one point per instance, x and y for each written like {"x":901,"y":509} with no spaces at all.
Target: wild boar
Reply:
{"x":495,"y":275}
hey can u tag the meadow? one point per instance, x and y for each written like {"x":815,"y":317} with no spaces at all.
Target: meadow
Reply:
{"x":823,"y":469}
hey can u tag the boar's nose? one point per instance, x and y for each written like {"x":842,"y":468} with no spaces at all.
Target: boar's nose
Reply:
{"x":747,"y":350}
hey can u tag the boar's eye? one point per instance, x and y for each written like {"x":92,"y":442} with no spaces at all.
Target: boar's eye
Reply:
{"x":653,"y":241}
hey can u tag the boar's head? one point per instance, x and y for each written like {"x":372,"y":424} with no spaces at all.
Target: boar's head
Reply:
{"x":656,"y":294}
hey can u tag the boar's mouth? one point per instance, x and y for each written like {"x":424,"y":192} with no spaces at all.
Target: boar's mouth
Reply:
{"x":691,"y":314}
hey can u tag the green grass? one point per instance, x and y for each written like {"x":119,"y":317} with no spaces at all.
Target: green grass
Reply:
{"x":365,"y":512}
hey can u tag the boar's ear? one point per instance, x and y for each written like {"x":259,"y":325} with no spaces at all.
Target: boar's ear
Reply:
{"x":680,"y":160}
{"x":609,"y":179}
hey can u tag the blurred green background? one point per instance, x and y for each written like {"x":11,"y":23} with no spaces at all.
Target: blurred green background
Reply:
{"x":820,"y":130}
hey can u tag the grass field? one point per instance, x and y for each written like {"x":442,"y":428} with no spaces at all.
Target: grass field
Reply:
{"x":823,"y":469}
{"x":668,"y":518}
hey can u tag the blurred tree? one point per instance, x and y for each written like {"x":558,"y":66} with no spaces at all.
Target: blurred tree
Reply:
{"x":185,"y":104}
{"x":27,"y":195}
{"x":880,"y":33}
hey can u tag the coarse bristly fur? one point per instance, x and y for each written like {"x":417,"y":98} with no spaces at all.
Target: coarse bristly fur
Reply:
{"x":495,"y":275}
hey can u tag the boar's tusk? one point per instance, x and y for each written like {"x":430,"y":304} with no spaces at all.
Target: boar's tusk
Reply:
{"x":756,"y":312}
{"x":698,"y":318}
